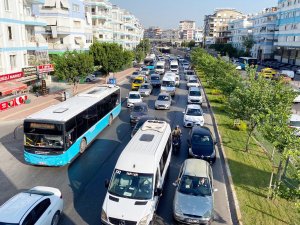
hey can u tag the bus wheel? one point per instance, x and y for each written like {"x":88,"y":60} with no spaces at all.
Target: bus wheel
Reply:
{"x":110,"y":120}
{"x":83,"y":145}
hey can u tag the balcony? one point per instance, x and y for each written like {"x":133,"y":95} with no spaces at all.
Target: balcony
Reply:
{"x":101,"y":3}
{"x":35,"y":1}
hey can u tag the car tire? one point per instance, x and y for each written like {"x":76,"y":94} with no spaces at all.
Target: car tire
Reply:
{"x":55,"y":218}
{"x":88,"y":80}
{"x":83,"y":145}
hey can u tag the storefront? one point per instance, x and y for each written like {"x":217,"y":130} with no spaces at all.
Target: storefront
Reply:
{"x":30,"y":76}
{"x":45,"y":70}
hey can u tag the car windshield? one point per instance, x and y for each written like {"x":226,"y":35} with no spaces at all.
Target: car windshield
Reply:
{"x":195,"y":93}
{"x":194,"y":112}
{"x":135,"y":73}
{"x":190,"y":73}
{"x":295,"y":123}
{"x":200,"y":139}
{"x":168,"y":83}
{"x":154,"y":78}
{"x":145,"y":86}
{"x":139,"y":108}
{"x":193,"y":81}
{"x":174,"y":67}
{"x":138,"y":81}
{"x":131,"y":185}
{"x":134,"y":96}
{"x":163,"y":98}
{"x":191,"y":185}
{"x":159,"y":67}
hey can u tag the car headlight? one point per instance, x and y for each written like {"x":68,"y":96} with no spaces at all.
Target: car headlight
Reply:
{"x":144,"y":220}
{"x":177,"y":211}
{"x":207,"y":215}
{"x":104,"y":215}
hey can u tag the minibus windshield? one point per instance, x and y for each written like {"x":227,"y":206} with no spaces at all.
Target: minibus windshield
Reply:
{"x":131,"y":185}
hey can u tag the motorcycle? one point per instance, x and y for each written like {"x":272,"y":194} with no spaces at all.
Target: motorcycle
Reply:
{"x":176,"y":143}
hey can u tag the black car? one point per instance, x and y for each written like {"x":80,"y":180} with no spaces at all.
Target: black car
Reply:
{"x":138,"y":110}
{"x":140,"y":123}
{"x":201,"y":144}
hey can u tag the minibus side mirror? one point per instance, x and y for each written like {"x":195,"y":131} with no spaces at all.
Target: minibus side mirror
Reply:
{"x":106,"y":183}
{"x":158,"y":192}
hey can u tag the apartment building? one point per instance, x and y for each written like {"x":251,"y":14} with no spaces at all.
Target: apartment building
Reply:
{"x":22,"y":47}
{"x":216,"y":28}
{"x":264,"y":27}
{"x":198,"y":36}
{"x":153,"y":33}
{"x":287,"y":48}
{"x":170,"y":34}
{"x":239,"y":29}
{"x":187,"y":29}
{"x":68,"y":26}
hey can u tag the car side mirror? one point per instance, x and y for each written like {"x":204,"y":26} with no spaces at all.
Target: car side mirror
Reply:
{"x":106,"y":183}
{"x":158,"y":192}
{"x":183,"y":112}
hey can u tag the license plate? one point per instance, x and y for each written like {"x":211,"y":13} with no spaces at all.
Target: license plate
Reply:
{"x":192,"y":221}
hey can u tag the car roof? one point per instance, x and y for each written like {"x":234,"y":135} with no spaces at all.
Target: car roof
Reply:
{"x":201,"y":130}
{"x":193,"y":106}
{"x":15,"y":208}
{"x":134,"y":92}
{"x":196,"y":167}
{"x":194,"y":89}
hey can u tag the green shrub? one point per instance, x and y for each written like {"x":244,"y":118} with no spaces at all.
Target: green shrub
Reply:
{"x":218,"y":99}
{"x":242,"y":126}
{"x":216,"y":92}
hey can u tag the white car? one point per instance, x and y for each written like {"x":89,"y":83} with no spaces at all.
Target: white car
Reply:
{"x":172,"y":74}
{"x":297,"y":99}
{"x":39,"y":206}
{"x":295,"y":123}
{"x":193,"y":115}
{"x":192,"y":82}
{"x":133,"y":97}
{"x":289,"y":73}
{"x":90,"y":78}
{"x":194,"y":96}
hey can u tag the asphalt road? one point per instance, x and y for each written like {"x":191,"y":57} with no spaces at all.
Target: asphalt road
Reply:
{"x":82,"y":182}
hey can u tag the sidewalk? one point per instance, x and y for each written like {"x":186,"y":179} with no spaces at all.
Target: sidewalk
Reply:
{"x":41,"y":102}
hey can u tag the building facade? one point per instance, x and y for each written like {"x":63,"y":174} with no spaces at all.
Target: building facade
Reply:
{"x":153,"y":33}
{"x":198,"y":36}
{"x":216,"y":29}
{"x":22,"y":47}
{"x":187,"y":29}
{"x":264,"y":27}
{"x":170,"y":34}
{"x":287,"y":48}
{"x":239,"y":29}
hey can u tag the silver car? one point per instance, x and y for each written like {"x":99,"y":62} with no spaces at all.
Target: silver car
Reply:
{"x":145,"y":89}
{"x":163,"y":101}
{"x":194,"y":196}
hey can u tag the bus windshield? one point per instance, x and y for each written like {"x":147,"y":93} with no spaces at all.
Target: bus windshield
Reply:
{"x":131,"y":185}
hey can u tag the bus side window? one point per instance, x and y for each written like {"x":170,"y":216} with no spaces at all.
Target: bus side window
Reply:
{"x":92,"y":116}
{"x":81,"y":123}
{"x":71,"y":130}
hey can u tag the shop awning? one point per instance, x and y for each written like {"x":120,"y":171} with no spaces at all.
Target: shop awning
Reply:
{"x":10,"y":87}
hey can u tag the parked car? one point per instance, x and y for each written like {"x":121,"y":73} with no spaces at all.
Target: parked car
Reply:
{"x":194,"y":96}
{"x":140,"y":123}
{"x":138,"y":110}
{"x":155,"y":80}
{"x":201,"y":144}
{"x":268,"y":72}
{"x":163,"y":101}
{"x":192,"y":82}
{"x":145,"y":89}
{"x":297,"y":99}
{"x":194,"y":196}
{"x":90,"y":78}
{"x":193,"y":115}
{"x":39,"y":205}
{"x":133,"y":98}
{"x":134,"y":75}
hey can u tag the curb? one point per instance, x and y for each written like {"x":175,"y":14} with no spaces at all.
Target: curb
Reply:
{"x":236,"y":214}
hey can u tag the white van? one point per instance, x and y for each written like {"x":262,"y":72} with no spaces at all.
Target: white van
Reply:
{"x":177,"y":78}
{"x":289,"y":73}
{"x":168,"y":84}
{"x":160,"y":67}
{"x":138,"y":178}
{"x":174,"y":66}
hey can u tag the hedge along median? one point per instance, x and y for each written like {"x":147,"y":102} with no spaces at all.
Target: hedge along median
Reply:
{"x":251,"y":170}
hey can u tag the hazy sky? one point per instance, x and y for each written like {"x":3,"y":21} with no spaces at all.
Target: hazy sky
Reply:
{"x":168,"y":13}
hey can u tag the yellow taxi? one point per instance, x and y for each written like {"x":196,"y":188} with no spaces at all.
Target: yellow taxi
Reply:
{"x":268,"y":73}
{"x":137,"y":82}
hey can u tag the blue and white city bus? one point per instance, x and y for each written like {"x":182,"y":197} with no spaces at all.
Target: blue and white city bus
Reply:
{"x":247,"y":60}
{"x":57,"y":134}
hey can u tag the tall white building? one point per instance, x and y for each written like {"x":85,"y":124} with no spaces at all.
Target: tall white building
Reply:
{"x":264,"y":27}
{"x":69,"y":27}
{"x":198,"y":36}
{"x":239,"y":28}
{"x":288,"y":45}
{"x":187,"y":29}
{"x":21,"y":43}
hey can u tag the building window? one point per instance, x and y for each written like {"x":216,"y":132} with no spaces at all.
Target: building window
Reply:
{"x":12,"y":60}
{"x":77,"y":23}
{"x":61,"y":40}
{"x":6,"y":5}
{"x":75,"y":8}
{"x":9,"y":30}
